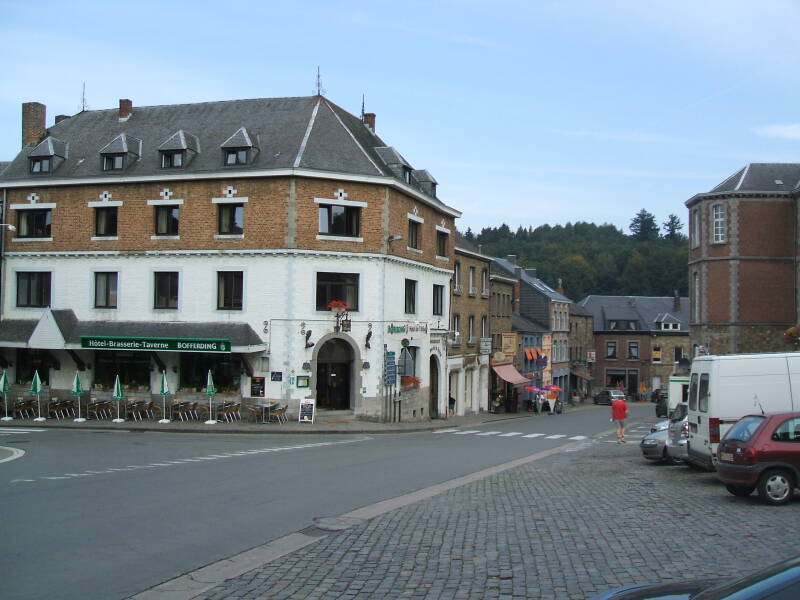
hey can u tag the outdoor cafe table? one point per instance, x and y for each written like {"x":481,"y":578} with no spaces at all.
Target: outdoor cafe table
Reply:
{"x":266,"y":410}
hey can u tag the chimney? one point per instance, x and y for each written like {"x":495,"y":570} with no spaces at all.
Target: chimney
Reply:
{"x":125,"y":109}
{"x":60,"y":118}
{"x":369,"y":121}
{"x":512,"y":258}
{"x":33,"y":117}
{"x":676,"y":302}
{"x":531,"y":272}
{"x":560,"y":288}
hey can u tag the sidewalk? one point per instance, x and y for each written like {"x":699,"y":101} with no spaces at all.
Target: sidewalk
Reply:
{"x":325,"y":422}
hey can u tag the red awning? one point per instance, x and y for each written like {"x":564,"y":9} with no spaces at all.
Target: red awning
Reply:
{"x":510,"y":374}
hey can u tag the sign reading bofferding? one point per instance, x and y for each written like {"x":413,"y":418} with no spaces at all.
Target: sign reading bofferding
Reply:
{"x":92,"y":342}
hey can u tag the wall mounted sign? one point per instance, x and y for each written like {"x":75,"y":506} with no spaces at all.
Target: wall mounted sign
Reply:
{"x":118,"y":342}
{"x":486,"y":345}
{"x":257,"y":385}
{"x":276,"y":376}
{"x":406,"y":328}
{"x":303,"y":381}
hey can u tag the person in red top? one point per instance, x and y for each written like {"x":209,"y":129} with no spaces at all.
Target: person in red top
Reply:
{"x":619,"y":412}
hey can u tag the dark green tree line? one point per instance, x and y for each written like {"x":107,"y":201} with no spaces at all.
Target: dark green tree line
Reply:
{"x":598,"y":259}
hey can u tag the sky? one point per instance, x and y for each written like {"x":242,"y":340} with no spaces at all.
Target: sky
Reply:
{"x":526,"y":112}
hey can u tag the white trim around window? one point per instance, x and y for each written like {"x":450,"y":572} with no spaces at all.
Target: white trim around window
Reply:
{"x":104,"y":203}
{"x":170,"y":202}
{"x":333,"y":201}
{"x":241,"y":200}
{"x":30,"y":206}
{"x":413,"y":217}
{"x":443,"y":229}
{"x":339,"y":238}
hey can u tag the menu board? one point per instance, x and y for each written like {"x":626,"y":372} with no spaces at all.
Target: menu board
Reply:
{"x":257,"y":386}
{"x":307,"y":410}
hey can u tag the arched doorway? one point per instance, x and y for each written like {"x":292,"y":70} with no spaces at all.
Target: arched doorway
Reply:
{"x":335,"y":375}
{"x":433,"y":405}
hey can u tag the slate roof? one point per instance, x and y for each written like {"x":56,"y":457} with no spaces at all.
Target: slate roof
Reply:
{"x":514,"y":270}
{"x":520,"y":323}
{"x":758,"y":177}
{"x":18,"y":331}
{"x":648,"y":311}
{"x":308,"y":132}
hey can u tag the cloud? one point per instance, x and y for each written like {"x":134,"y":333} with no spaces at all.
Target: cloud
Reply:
{"x":788,"y":131}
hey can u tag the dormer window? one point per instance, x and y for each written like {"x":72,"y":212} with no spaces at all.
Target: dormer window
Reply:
{"x":117,"y":154}
{"x":173,"y":159}
{"x":40,"y":165}
{"x":47,"y":156}
{"x":236,"y":156}
{"x":238,"y":149}
{"x":113,"y":162}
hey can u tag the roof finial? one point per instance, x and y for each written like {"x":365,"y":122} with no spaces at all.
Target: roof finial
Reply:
{"x":362,"y":108}
{"x":320,"y":91}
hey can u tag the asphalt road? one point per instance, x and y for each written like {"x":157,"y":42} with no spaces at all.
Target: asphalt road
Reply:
{"x":107,"y":514}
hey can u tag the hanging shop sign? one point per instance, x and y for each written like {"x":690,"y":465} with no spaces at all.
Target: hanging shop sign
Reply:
{"x":486,"y":345}
{"x":93,"y":342}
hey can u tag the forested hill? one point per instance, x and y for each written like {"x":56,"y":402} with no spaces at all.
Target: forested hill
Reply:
{"x":598,"y":259}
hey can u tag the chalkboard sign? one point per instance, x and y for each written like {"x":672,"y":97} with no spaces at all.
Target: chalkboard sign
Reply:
{"x":257,"y":387}
{"x":391,"y":369}
{"x":307,"y":409}
{"x":276,"y":376}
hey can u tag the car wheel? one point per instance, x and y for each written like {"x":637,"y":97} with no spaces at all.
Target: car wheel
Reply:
{"x":740,"y":490}
{"x":776,"y":486}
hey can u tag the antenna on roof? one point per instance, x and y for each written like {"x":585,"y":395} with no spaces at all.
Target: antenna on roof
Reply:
{"x":320,"y":90}
{"x":84,"y":106}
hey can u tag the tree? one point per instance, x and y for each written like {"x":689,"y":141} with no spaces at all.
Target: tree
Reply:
{"x":672,"y":228}
{"x":635,"y":279}
{"x":643,"y":226}
{"x":469,"y":235}
{"x":578,"y":276}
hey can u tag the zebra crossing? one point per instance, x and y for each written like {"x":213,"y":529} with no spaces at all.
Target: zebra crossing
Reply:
{"x":510,"y":434}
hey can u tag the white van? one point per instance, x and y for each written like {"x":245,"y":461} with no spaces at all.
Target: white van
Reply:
{"x":724,"y":388}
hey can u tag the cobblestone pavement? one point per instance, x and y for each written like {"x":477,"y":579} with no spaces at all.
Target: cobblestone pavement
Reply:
{"x":564,"y":527}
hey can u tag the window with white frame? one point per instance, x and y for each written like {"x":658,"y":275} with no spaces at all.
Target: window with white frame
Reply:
{"x":105,"y":290}
{"x":438,"y":299}
{"x":695,"y":228}
{"x":633,"y":350}
{"x":718,"y":219}
{"x":34,"y":223}
{"x":33,"y":289}
{"x":471,"y":329}
{"x":611,"y":349}
{"x":457,"y":277}
{"x":472,"y":288}
{"x":484,"y":326}
{"x":411,"y":296}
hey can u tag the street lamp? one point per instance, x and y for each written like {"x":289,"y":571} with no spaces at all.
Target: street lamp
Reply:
{"x":9,"y":226}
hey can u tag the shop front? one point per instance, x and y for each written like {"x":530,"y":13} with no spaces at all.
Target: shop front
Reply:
{"x":506,"y":388}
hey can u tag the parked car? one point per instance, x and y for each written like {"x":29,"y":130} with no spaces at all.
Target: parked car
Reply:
{"x":660,"y":426}
{"x":762,"y":452}
{"x":608,"y":396}
{"x":678,"y":434}
{"x":777,"y":582}
{"x":654,"y":446}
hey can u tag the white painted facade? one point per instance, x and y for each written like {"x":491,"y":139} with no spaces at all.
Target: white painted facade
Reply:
{"x":279,"y":303}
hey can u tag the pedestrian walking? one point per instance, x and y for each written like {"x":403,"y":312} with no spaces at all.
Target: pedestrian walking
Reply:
{"x":619,"y":412}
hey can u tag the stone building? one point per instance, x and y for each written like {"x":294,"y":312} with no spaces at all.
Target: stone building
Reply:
{"x":278,"y":243}
{"x":743,"y":260}
{"x":505,"y":378}
{"x":638,"y":340}
{"x":470,"y":341}
{"x":582,"y":352}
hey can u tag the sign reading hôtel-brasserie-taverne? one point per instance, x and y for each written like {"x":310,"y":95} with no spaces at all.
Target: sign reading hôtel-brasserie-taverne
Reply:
{"x":155,"y":343}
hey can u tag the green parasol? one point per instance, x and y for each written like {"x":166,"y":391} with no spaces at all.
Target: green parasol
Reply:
{"x":210,"y":391}
{"x":4,"y":390}
{"x":118,"y":395}
{"x":77,"y":390}
{"x":36,"y":388}
{"x":164,"y":393}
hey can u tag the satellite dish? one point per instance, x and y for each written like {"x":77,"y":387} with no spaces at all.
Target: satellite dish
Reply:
{"x":405,"y":343}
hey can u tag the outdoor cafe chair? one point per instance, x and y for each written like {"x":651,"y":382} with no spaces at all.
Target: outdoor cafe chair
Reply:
{"x":24,"y":408}
{"x":279,"y":414}
{"x":136,"y":409}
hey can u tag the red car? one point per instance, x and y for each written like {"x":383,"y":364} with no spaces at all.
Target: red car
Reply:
{"x":762,"y":452}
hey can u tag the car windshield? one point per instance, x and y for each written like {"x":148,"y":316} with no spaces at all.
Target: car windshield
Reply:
{"x":744,"y":429}
{"x":679,"y":412}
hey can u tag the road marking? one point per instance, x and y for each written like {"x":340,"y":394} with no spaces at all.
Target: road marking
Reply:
{"x":16,"y":431}
{"x":445,"y":430}
{"x":554,"y":437}
{"x":173,"y":463}
{"x":466,"y":432}
{"x":510,"y":434}
{"x":578,"y":437}
{"x":533,"y":435}
{"x":490,"y":433}
{"x":15,"y":454}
